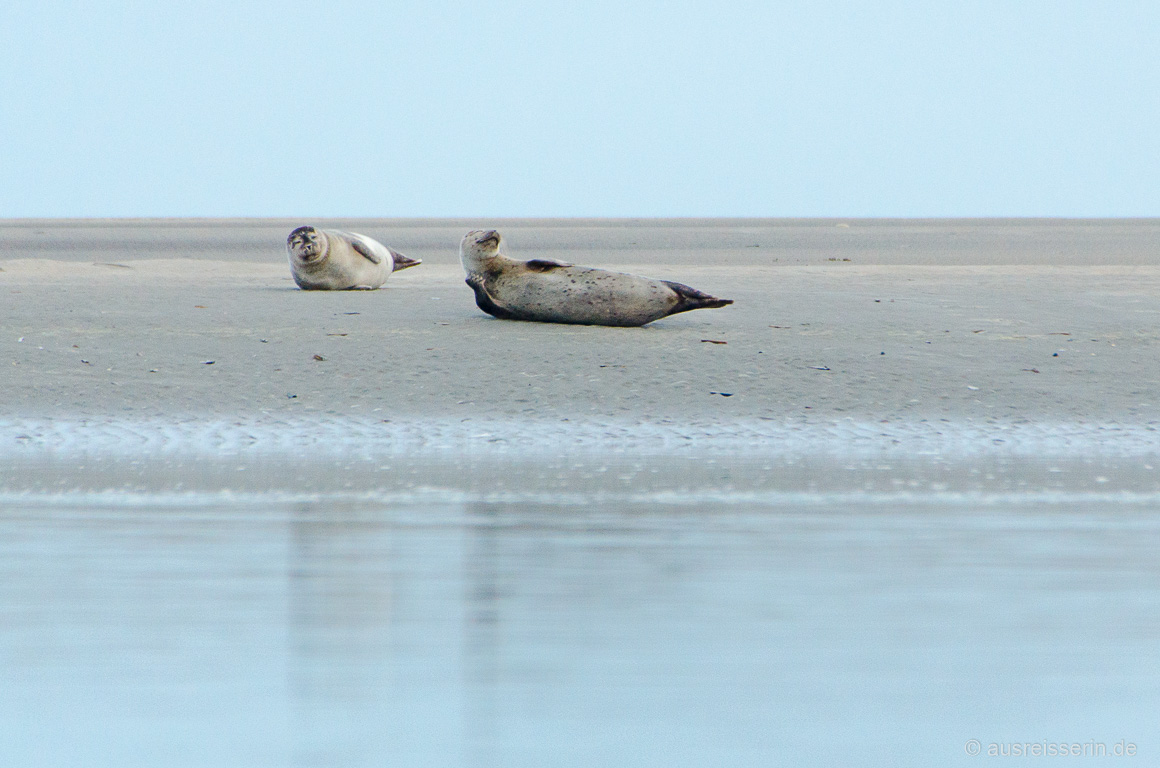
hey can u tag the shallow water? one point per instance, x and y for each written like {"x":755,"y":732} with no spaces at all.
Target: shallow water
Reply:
{"x":146,"y":630}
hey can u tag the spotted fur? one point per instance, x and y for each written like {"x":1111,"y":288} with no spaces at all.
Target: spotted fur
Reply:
{"x":557,"y":292}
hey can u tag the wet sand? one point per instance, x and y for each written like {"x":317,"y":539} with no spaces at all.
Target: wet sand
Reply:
{"x":914,"y":336}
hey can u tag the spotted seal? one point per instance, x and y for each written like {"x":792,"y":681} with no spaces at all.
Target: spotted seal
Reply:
{"x":332,"y":260}
{"x":556,"y":292}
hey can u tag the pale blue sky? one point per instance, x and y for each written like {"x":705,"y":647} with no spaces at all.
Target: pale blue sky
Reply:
{"x":627,"y":108}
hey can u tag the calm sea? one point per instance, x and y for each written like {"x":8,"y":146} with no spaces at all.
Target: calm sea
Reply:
{"x":664,"y":610}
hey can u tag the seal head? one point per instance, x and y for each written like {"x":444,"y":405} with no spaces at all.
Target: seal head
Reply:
{"x":479,"y":248}
{"x":307,"y":245}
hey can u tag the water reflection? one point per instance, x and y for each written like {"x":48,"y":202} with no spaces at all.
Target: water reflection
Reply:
{"x":345,"y":633}
{"x":340,"y":577}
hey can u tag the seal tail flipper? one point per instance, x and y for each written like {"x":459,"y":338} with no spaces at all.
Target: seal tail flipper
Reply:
{"x":402,"y":262}
{"x":690,"y":299}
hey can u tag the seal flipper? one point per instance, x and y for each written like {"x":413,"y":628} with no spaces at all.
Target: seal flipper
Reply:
{"x":545,"y":265}
{"x":484,"y":301}
{"x":690,"y":298}
{"x":401,"y":261}
{"x":361,"y":248}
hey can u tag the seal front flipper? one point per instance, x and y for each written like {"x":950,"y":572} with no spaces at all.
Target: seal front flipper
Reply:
{"x":545,"y":265}
{"x":690,"y":298}
{"x":363,"y":250}
{"x":401,"y":261}
{"x":484,"y":301}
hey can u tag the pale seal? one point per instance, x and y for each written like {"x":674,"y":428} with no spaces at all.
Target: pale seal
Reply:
{"x":556,"y":292}
{"x":332,"y":260}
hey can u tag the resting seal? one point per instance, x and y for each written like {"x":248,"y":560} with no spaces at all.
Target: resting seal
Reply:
{"x":555,"y":292}
{"x":331,"y":260}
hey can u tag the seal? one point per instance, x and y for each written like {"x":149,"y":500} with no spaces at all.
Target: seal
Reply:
{"x":549,"y":291}
{"x":332,"y":260}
